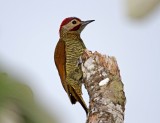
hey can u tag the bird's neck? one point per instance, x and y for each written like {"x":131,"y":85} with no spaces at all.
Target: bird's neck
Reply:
{"x":70,"y":36}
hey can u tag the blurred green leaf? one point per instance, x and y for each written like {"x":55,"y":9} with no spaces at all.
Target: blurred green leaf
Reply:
{"x":16,"y":102}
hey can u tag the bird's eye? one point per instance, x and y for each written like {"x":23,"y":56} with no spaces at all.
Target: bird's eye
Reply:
{"x":74,"y":22}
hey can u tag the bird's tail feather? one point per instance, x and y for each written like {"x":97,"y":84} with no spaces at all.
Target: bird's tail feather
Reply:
{"x":79,"y":98}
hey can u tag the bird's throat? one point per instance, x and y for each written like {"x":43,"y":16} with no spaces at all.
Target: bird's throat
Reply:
{"x":70,"y":36}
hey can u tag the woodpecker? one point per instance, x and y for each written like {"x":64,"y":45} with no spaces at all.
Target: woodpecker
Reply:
{"x":67,"y":52}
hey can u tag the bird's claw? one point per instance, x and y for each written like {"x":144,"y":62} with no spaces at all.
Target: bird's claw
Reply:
{"x":79,"y":61}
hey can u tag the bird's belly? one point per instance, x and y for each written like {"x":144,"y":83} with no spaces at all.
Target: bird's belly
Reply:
{"x":73,"y":52}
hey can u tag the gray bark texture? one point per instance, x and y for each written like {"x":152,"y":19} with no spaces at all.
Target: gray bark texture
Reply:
{"x":103,"y":82}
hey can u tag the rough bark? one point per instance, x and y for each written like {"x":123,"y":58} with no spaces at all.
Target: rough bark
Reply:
{"x":103,"y":82}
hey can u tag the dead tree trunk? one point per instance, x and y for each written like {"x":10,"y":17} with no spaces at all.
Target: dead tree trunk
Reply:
{"x":105,"y":88}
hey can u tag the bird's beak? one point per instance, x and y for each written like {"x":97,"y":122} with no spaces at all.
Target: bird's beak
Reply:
{"x":84,"y":23}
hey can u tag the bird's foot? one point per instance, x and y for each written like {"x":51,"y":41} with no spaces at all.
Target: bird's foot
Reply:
{"x":79,"y":61}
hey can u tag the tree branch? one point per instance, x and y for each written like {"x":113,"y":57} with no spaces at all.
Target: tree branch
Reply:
{"x":105,"y":88}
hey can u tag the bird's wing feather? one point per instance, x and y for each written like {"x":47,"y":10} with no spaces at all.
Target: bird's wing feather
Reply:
{"x":59,"y":58}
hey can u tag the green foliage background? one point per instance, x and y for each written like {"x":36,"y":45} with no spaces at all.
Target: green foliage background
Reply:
{"x":17,"y":103}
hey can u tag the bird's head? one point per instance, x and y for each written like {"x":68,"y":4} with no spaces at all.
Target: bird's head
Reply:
{"x":73,"y":24}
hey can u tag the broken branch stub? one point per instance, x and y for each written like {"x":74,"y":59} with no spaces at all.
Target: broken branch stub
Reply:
{"x":102,"y":80}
